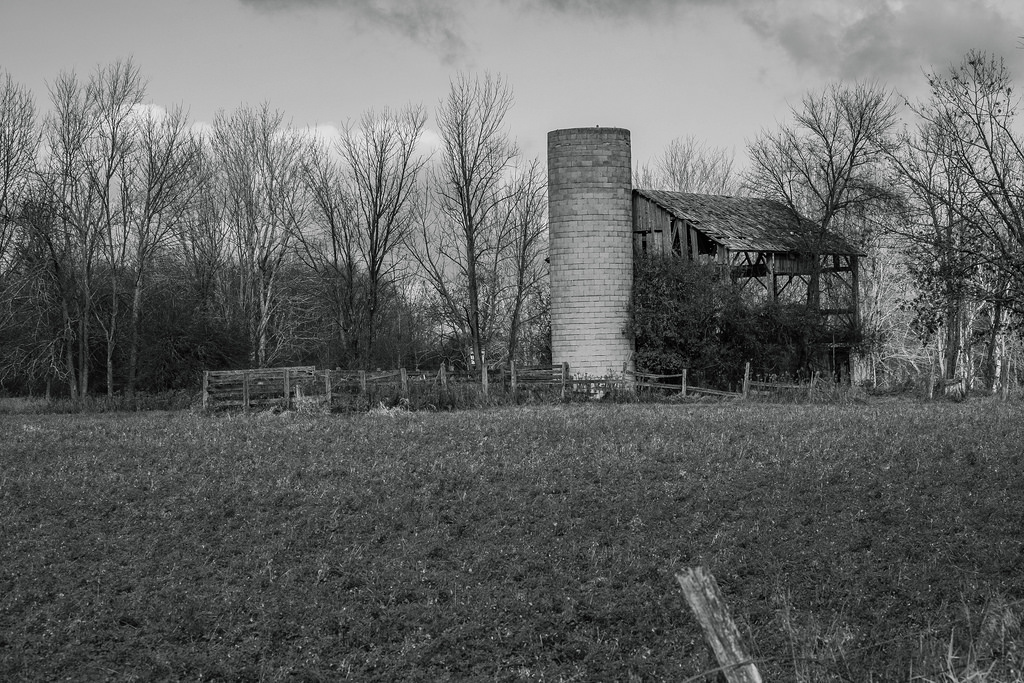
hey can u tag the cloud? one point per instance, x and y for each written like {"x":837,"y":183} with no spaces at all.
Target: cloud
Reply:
{"x":609,"y":8}
{"x":883,"y":39}
{"x":436,"y":24}
{"x":429,"y":142}
{"x":149,"y":110}
{"x":326,"y":134}
{"x":886,"y":40}
{"x":203,"y":129}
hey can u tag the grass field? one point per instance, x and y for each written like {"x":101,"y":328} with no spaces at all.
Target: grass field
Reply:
{"x":882,"y":541}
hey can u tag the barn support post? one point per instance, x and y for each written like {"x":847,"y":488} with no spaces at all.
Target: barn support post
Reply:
{"x":206,"y":390}
{"x":708,"y":606}
{"x":855,"y":289}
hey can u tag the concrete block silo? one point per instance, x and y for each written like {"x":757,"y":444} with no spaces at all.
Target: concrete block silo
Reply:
{"x":590,"y":230}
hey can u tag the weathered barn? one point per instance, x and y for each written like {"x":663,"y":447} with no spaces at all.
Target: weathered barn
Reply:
{"x":766,"y":246}
{"x":597,"y":221}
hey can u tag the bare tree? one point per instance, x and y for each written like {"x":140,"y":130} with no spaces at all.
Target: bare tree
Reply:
{"x":973,"y":109}
{"x":201,"y":235}
{"x":69,"y":227}
{"x":476,"y":152}
{"x":114,"y":93}
{"x":382,"y":166}
{"x":691,"y":165}
{"x":161,"y":179}
{"x":261,"y":161}
{"x":940,"y":242}
{"x":19,"y":142}
{"x":527,"y":226}
{"x":331,"y":249}
{"x":827,"y":162}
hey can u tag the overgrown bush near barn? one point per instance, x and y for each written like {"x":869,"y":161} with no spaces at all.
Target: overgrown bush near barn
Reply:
{"x":693,"y":316}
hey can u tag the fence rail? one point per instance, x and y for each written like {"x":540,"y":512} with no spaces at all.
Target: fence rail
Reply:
{"x":677,"y":382}
{"x":262,"y":387}
{"x":255,"y":387}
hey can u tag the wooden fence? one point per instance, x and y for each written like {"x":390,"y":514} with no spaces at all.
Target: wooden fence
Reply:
{"x":678,"y":382}
{"x":266,"y":387}
{"x":282,"y":387}
{"x":252,"y":388}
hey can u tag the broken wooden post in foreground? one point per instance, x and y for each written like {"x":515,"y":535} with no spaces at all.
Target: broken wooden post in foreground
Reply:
{"x":705,"y":599}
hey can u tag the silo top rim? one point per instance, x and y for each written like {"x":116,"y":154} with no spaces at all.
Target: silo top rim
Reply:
{"x":588,"y":129}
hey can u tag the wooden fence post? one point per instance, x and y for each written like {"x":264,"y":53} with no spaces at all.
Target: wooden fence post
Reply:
{"x":708,"y":605}
{"x":746,"y":381}
{"x":682,"y":382}
{"x":1004,"y":376}
{"x":405,"y":381}
{"x":327,"y":387}
{"x":931,"y":379}
{"x":443,"y":376}
{"x":565,"y":377}
{"x":245,"y":391}
{"x":362,"y":381}
{"x":287,"y":389}
{"x":206,"y":390}
{"x":483,"y":370}
{"x":513,"y":377}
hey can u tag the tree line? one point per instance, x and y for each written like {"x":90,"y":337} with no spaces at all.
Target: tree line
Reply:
{"x":137,"y":249}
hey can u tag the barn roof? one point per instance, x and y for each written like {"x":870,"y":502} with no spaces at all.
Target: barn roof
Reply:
{"x":748,"y":223}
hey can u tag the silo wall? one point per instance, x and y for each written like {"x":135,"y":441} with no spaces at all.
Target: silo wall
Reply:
{"x":590,"y":232}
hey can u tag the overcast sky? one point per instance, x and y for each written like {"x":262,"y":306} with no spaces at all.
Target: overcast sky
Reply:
{"x":720,"y":71}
